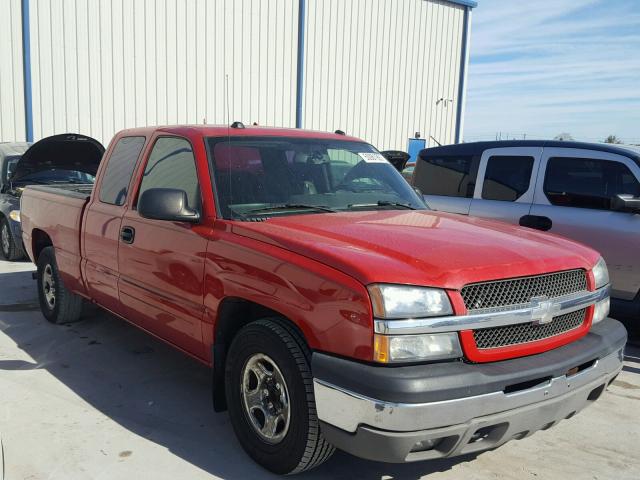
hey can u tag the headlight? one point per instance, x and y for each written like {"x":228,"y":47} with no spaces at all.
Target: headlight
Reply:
{"x":14,"y":215}
{"x":601,"y":273}
{"x":416,"y":348}
{"x":600,"y":311}
{"x":402,"y":301}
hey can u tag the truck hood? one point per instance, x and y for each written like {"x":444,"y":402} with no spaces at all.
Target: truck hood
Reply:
{"x":68,"y":151}
{"x":420,"y":247}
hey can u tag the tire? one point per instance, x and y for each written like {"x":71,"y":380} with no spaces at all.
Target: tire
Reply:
{"x":57,"y":303}
{"x":298,"y":444}
{"x":10,"y":251}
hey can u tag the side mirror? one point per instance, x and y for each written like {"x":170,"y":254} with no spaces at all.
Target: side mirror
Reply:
{"x":168,"y":204}
{"x":625,"y":203}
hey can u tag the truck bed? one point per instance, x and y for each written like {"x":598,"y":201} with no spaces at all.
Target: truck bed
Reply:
{"x":52,"y":214}
{"x":74,"y":190}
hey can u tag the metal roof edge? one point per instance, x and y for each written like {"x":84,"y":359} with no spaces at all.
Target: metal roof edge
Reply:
{"x":464,"y":3}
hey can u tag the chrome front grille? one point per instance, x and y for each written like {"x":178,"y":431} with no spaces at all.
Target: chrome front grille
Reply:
{"x":516,"y":292}
{"x":527,"y":332}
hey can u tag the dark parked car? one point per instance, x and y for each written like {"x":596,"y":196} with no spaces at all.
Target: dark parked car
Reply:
{"x":55,"y":160}
{"x":10,"y":153}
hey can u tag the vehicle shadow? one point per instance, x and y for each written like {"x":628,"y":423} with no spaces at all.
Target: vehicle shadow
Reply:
{"x":153,"y":390}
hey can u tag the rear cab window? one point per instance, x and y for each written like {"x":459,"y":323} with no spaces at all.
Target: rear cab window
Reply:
{"x":117,"y":176}
{"x":451,"y":176}
{"x":587,"y":182}
{"x":507,"y":178}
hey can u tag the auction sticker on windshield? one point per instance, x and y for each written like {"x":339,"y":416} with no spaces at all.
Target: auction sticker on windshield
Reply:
{"x":372,"y":157}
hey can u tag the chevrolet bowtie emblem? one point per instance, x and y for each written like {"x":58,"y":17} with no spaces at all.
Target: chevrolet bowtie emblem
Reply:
{"x":543,"y":310}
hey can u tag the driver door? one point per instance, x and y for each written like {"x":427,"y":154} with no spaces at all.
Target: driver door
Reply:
{"x":161,"y":263}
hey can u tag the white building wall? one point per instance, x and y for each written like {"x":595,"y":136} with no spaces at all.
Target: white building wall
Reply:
{"x":374,"y":68}
{"x":12,"y":122}
{"x":378,"y":68}
{"x":100,"y":66}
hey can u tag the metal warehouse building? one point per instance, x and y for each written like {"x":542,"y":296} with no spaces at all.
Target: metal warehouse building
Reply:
{"x":377,"y":69}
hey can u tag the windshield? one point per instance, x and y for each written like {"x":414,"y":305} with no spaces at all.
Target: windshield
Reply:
{"x":266,"y":176}
{"x":56,"y":176}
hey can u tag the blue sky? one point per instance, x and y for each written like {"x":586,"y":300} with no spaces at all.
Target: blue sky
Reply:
{"x":553,"y":66}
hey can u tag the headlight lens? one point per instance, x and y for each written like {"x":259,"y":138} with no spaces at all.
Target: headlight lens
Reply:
{"x":601,"y":311}
{"x":14,"y":215}
{"x":601,"y":273}
{"x":416,"y":348}
{"x":402,"y":301}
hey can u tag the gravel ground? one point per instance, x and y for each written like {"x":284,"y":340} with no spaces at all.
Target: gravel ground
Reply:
{"x":100,"y":399}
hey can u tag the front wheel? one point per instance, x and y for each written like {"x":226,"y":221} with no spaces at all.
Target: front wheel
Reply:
{"x":269,"y":390}
{"x":57,"y":303}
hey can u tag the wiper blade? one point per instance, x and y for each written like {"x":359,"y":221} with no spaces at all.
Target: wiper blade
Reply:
{"x":290,"y":206}
{"x":383,"y":203}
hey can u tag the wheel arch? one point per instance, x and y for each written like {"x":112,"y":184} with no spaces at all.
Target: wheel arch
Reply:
{"x":233,"y":314}
{"x":39,"y":241}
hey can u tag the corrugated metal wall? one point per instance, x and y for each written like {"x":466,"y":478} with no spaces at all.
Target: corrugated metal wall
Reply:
{"x":374,"y":68}
{"x":12,"y":126}
{"x":100,"y":66}
{"x":378,"y":68}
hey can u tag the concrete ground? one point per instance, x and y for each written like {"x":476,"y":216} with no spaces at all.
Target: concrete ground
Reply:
{"x":100,"y":399}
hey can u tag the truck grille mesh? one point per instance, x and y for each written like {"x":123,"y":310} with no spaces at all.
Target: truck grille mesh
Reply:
{"x":527,"y":332}
{"x":520,"y":291}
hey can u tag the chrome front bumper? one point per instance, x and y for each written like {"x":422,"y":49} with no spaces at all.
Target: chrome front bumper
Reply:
{"x":403,"y":432}
{"x":347,"y":410}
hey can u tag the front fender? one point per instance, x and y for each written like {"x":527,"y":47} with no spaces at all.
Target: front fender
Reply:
{"x":332,"y":309}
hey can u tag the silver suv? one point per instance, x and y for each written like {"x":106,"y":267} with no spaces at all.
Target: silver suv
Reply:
{"x":587,"y":192}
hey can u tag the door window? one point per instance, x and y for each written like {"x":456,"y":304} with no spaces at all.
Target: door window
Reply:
{"x":449,"y":176}
{"x":587,"y":182}
{"x":507,"y":178}
{"x":117,"y":176}
{"x":172,"y":165}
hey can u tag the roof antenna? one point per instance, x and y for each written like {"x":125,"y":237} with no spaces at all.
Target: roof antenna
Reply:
{"x":226,"y":76}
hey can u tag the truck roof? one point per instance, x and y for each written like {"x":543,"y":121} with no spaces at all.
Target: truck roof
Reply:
{"x":248,"y":131}
{"x":476,"y":148}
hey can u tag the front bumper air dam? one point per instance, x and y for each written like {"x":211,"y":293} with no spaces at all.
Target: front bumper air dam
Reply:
{"x":396,"y":432}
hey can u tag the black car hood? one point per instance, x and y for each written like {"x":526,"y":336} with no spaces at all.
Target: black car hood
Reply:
{"x":68,"y":151}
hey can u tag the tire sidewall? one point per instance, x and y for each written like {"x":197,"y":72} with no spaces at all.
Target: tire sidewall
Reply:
{"x":284,"y":457}
{"x":47,"y":257}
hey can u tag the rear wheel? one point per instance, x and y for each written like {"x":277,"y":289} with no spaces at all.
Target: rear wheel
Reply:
{"x":57,"y":303}
{"x":8,"y":246}
{"x":269,"y":391}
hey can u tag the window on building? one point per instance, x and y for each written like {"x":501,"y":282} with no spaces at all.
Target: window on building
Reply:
{"x":449,"y":176}
{"x":172,"y":165}
{"x":507,"y":178}
{"x":587,"y":182}
{"x":116,"y":178}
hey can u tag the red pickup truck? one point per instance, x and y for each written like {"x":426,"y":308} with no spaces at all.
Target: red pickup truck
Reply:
{"x":335,"y":309}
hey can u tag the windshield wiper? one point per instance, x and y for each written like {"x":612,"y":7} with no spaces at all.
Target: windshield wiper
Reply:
{"x":383,"y":203}
{"x":290,"y":206}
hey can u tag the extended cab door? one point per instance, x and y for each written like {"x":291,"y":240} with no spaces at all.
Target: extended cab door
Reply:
{"x":506,"y":183}
{"x":102,"y":219}
{"x":161,"y":263}
{"x":574,"y":192}
{"x":447,"y":181}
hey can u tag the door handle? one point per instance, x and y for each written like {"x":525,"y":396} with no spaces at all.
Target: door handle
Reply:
{"x":537,"y":222}
{"x":127,"y":234}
